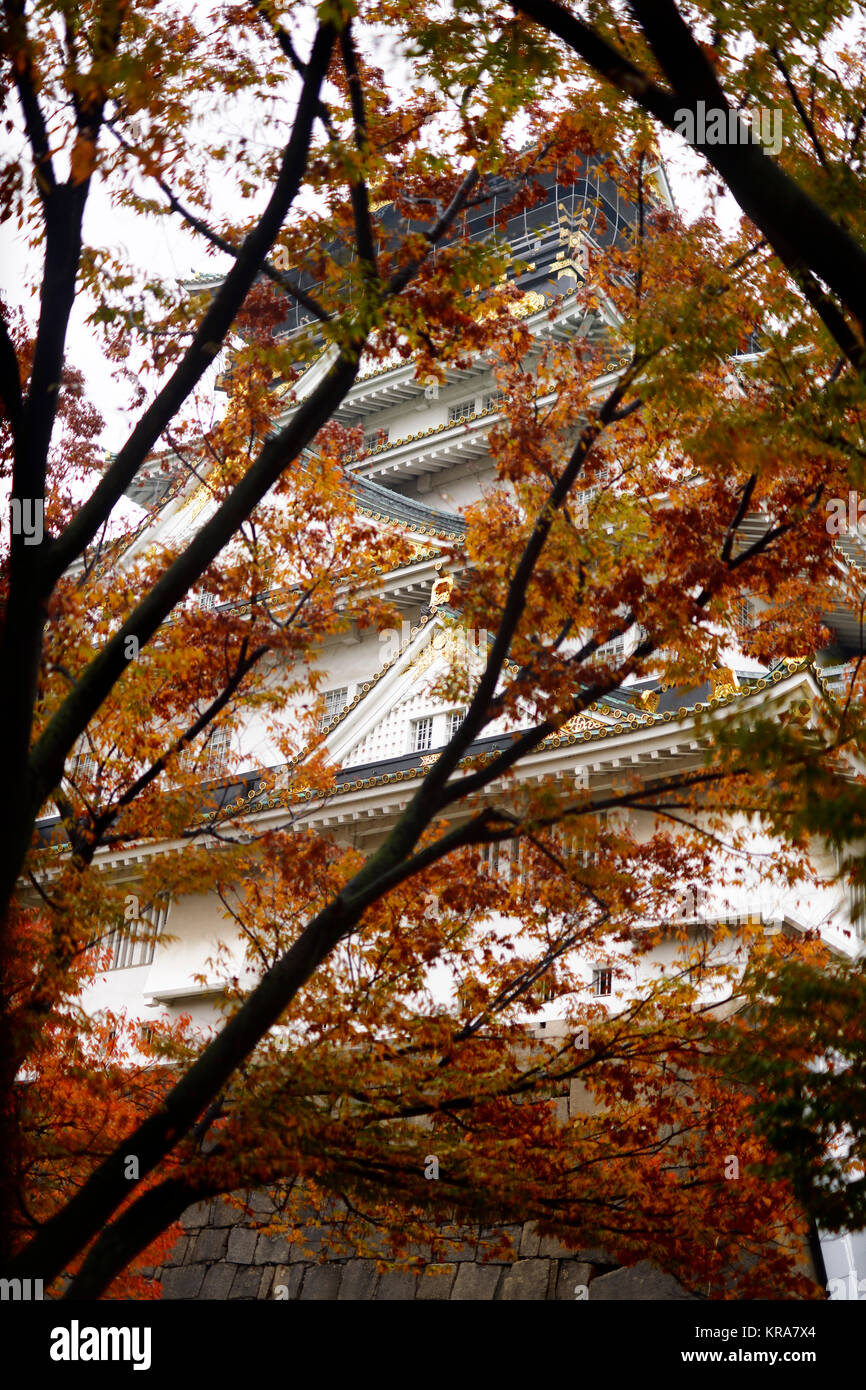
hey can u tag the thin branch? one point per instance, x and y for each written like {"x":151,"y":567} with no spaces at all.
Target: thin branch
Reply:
{"x":279,"y":277}
{"x":26,"y":86}
{"x":364,"y":237}
{"x":212,"y":330}
{"x":799,"y":107}
{"x":245,"y":664}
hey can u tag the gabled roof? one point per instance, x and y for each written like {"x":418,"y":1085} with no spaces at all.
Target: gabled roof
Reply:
{"x":257,"y":793}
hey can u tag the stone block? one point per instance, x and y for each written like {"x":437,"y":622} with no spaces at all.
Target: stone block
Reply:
{"x":395,"y":1286}
{"x":185,"y":1281}
{"x":321,"y":1283}
{"x":597,"y":1256}
{"x":225,"y":1213}
{"x":218,"y":1281}
{"x":260,"y":1202}
{"x":552,"y":1248}
{"x":560,"y":1110}
{"x":476,"y":1282}
{"x":273,"y":1250}
{"x":242,"y":1245}
{"x":529,"y":1241}
{"x":358,"y":1281}
{"x":525,"y":1281}
{"x":640,"y":1281}
{"x":247,"y":1282}
{"x":494,"y":1250}
{"x":177,"y":1252}
{"x":571,"y":1272}
{"x":458,"y":1244}
{"x":286,"y":1281}
{"x":196,"y":1216}
{"x":580,"y":1098}
{"x":210,"y":1244}
{"x":311,"y":1244}
{"x":437,"y":1281}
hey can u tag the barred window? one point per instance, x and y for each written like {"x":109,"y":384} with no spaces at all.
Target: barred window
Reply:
{"x":505,"y":858}
{"x":602,"y":980}
{"x":134,"y":943}
{"x":335,"y":702}
{"x":455,"y":719}
{"x":492,"y":400}
{"x":374,"y":440}
{"x":215,"y":752}
{"x":744,"y":615}
{"x":461,"y":410}
{"x":611,"y":651}
{"x":83,"y":768}
{"x":422,"y":734}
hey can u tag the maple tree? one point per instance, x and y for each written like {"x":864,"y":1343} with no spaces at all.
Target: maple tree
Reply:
{"x":101,"y":654}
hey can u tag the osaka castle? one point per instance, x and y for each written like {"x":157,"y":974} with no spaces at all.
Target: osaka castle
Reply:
{"x":383,"y":719}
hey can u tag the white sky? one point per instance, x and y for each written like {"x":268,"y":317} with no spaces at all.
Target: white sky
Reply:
{"x":164,"y":247}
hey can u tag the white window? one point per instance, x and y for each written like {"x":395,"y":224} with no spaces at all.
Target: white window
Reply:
{"x":215,"y":752}
{"x":602,"y":980}
{"x":82,"y":769}
{"x":206,"y":600}
{"x":335,"y":702}
{"x":461,"y":410}
{"x":134,"y":942}
{"x":492,"y":400}
{"x":422,"y":734}
{"x":455,"y":719}
{"x":744,"y":615}
{"x":505,"y":859}
{"x":374,"y":439}
{"x":612,"y":651}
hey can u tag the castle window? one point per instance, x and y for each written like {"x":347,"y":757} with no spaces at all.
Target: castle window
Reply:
{"x":744,"y":616}
{"x":83,"y":768}
{"x":455,"y":719}
{"x":215,"y":752}
{"x":461,"y":410}
{"x":422,"y":734}
{"x":612,"y":651}
{"x":335,"y":702}
{"x":135,"y":942}
{"x":505,"y":859}
{"x":602,"y":980}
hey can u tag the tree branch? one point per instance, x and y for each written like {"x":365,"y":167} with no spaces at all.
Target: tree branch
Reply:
{"x":211,"y":331}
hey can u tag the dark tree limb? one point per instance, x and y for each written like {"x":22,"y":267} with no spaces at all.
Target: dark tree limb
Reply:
{"x":212,"y":330}
{"x":800,"y":232}
{"x":198,"y":224}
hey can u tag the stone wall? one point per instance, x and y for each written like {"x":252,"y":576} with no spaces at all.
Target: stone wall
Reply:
{"x":222,"y":1255}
